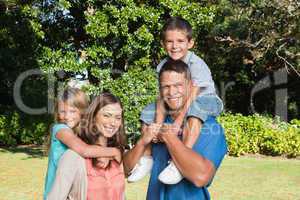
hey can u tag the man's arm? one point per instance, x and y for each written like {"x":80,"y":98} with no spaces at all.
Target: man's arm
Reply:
{"x":192,"y":165}
{"x":132,"y":156}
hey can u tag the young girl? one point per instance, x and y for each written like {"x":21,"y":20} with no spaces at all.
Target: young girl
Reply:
{"x":71,"y":105}
{"x":81,"y":179}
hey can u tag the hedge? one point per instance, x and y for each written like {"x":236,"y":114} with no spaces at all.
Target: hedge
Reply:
{"x":260,"y":134}
{"x":136,"y":88}
{"x":254,"y":134}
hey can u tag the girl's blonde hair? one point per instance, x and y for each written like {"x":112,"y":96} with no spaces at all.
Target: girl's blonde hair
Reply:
{"x":73,"y":97}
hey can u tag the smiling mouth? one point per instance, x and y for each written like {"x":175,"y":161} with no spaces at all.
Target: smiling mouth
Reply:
{"x":110,"y":130}
{"x":173,"y":98}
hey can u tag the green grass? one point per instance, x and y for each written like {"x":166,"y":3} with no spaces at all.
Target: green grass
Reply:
{"x":22,"y":172}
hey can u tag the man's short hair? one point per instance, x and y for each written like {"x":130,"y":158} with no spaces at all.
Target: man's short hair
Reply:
{"x":177,"y":23}
{"x":175,"y":66}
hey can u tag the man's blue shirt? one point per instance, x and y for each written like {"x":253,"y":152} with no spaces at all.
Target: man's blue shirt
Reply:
{"x":211,"y":144}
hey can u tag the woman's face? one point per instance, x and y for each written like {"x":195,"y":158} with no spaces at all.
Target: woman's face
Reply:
{"x":108,"y":119}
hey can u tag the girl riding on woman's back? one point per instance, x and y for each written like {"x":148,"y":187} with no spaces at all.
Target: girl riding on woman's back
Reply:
{"x":70,"y":108}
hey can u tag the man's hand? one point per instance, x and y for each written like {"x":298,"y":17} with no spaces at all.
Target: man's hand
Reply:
{"x":168,"y":130}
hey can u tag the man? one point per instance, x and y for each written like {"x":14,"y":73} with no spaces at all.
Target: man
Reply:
{"x":197,"y":165}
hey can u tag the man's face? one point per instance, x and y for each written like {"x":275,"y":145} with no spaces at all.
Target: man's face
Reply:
{"x":177,"y":44}
{"x":174,"y":89}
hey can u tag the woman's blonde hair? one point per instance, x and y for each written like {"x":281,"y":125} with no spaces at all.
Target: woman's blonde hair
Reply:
{"x":73,"y":97}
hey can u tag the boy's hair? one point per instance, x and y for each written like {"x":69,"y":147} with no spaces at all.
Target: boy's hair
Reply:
{"x":89,"y":132}
{"x":176,"y":66}
{"x":177,"y":23}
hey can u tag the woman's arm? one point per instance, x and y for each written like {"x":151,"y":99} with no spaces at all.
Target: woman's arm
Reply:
{"x":67,"y":137}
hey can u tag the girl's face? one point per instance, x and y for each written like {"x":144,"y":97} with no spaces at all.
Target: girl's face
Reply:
{"x":108,"y":119}
{"x":68,"y":114}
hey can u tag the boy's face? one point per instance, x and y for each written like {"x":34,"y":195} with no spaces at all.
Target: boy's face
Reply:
{"x":177,"y":44}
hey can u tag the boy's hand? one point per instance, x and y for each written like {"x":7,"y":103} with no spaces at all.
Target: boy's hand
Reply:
{"x":154,"y":128}
{"x":149,"y":133}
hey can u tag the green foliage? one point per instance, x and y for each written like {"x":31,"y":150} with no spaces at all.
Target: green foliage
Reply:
{"x":258,"y":134}
{"x":16,"y":129}
{"x":20,"y":37}
{"x":117,"y":34}
{"x":248,"y":41}
{"x":136,"y":88}
{"x":9,"y":129}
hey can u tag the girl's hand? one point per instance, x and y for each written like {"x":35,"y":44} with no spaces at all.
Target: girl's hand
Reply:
{"x":118,"y":156}
{"x":103,"y":162}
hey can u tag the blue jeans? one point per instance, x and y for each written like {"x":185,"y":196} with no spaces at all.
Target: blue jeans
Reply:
{"x":202,"y":107}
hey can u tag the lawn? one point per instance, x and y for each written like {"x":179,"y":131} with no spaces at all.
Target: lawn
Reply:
{"x":22,"y":172}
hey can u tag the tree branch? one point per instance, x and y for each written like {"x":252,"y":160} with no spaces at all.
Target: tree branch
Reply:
{"x":286,"y":63}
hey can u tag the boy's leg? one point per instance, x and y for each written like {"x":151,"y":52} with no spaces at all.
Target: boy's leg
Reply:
{"x":199,"y":111}
{"x":160,"y":111}
{"x":148,"y":150}
{"x":203,"y":107}
{"x":143,"y":167}
{"x":191,"y":131}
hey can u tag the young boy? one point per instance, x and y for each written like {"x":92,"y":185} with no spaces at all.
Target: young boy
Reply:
{"x":176,"y":38}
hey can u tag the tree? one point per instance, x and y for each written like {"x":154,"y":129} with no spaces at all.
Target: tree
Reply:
{"x":249,"y":41}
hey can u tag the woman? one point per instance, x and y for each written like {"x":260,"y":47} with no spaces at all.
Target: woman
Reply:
{"x":90,"y":179}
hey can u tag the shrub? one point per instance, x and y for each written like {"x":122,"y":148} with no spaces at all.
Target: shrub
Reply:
{"x":16,"y":128}
{"x":9,"y":128}
{"x":260,"y":134}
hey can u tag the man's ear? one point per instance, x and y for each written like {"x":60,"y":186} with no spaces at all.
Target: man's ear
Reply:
{"x":191,"y":44}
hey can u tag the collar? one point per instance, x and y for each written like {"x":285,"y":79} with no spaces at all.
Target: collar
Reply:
{"x":188,"y":57}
